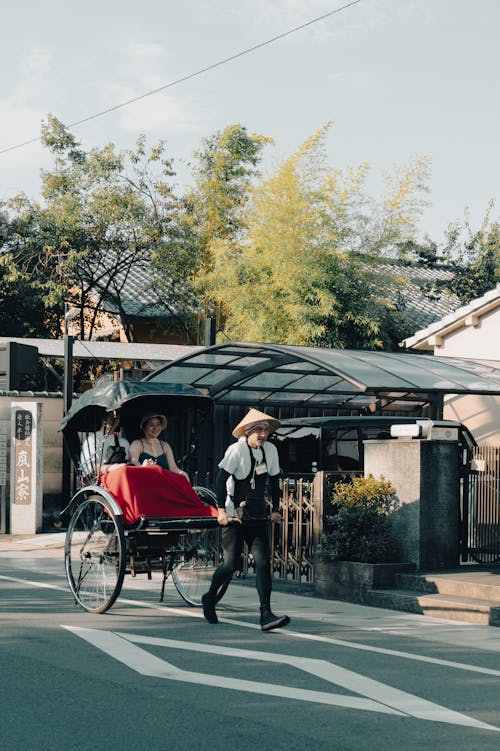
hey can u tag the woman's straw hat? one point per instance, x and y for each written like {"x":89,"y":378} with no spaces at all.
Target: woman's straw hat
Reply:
{"x":252,"y":419}
{"x":150,"y":415}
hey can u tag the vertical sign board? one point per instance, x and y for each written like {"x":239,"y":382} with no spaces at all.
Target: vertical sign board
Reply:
{"x":3,"y":480}
{"x":26,"y":478}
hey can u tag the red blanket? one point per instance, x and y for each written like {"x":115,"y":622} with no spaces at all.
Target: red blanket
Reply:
{"x":154,"y":492}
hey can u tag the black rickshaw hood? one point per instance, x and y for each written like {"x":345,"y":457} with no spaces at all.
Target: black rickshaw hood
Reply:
{"x":132,"y":398}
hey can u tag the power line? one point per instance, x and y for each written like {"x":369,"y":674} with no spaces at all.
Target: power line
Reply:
{"x":192,"y":75}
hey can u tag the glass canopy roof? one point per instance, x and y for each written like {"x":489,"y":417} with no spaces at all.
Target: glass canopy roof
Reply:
{"x":287,"y":375}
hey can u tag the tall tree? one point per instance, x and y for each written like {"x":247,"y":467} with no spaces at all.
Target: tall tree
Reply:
{"x":25,"y":309}
{"x":224,"y":169}
{"x":105,"y":214}
{"x":302,"y":274}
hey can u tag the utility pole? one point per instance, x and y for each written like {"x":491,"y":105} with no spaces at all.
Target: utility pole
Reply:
{"x":69,"y":314}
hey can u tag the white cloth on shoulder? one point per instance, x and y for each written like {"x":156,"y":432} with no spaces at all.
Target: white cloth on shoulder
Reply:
{"x":237,"y":461}
{"x":95,"y":448}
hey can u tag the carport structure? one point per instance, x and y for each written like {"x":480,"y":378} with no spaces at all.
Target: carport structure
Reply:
{"x":293,"y":381}
{"x":275,"y":376}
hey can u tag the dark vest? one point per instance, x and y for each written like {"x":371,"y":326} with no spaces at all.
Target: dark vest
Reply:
{"x":251,"y":490}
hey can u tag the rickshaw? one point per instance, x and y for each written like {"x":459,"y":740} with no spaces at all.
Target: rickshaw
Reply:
{"x":136,"y":520}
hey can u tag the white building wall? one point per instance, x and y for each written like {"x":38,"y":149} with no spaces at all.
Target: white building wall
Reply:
{"x":479,"y":340}
{"x":481,"y":414}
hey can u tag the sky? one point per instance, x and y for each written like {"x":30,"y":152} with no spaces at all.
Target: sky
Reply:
{"x":398,"y":80}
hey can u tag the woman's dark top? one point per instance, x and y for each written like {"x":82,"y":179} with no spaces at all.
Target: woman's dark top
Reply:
{"x":161,"y":460}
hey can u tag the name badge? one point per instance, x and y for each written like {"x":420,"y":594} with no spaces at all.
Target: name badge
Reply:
{"x":260,"y":469}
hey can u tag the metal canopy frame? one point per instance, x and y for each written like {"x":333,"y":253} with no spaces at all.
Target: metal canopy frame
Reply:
{"x":278,"y":375}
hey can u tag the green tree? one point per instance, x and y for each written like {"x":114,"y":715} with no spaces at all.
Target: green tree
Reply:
{"x":24,"y":310}
{"x":474,"y":257}
{"x":471,"y":256}
{"x":301,"y":274}
{"x":225,"y":167}
{"x":105,"y":215}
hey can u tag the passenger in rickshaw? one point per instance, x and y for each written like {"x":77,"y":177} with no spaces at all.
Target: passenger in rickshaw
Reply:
{"x":152,"y":485}
{"x":104,"y":449}
{"x":151,"y":450}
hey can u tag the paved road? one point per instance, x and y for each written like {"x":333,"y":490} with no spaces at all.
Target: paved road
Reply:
{"x":156,"y":675}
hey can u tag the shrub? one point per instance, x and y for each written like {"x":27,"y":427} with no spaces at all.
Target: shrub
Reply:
{"x":359,"y":527}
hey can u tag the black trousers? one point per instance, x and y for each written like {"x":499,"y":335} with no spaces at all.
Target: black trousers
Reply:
{"x":256,"y":536}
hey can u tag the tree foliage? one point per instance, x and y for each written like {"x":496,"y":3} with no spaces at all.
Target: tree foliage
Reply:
{"x":225,"y":167}
{"x":470,"y":256}
{"x":293,"y":257}
{"x":299,"y":274}
{"x":105,"y":215}
{"x":474,"y":257}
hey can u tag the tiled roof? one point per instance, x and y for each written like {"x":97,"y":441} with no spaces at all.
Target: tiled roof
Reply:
{"x":138,"y":296}
{"x":408,"y":287}
{"x":402,"y":284}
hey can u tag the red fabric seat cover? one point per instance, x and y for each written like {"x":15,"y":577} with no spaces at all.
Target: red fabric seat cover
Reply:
{"x":154,"y":492}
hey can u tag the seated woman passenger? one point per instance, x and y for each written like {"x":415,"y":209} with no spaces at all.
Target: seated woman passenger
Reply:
{"x":105,"y":448}
{"x":151,"y":449}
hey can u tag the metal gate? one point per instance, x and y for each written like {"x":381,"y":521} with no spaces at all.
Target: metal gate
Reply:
{"x":294,"y":541}
{"x":481,"y":507}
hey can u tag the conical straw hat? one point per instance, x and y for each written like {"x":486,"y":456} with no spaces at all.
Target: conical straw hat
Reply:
{"x":254,"y":417}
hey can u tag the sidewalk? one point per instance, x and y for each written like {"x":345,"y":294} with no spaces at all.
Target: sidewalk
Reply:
{"x":45,"y":540}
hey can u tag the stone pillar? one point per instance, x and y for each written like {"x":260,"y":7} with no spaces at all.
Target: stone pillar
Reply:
{"x":3,"y":481}
{"x":426,"y":475}
{"x":26,"y":477}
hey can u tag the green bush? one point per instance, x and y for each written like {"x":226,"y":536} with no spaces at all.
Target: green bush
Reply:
{"x":359,"y":527}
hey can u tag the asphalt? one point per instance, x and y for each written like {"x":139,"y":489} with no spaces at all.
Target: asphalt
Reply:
{"x":296,"y":602}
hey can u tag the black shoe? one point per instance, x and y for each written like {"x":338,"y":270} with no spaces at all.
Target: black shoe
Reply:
{"x":268,"y":620}
{"x":208,"y":603}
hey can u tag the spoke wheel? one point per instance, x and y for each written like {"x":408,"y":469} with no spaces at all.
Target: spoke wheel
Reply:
{"x":95,"y":555}
{"x":192,"y":575}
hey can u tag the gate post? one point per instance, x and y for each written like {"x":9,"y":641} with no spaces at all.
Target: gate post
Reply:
{"x":26,"y":477}
{"x":426,"y":476}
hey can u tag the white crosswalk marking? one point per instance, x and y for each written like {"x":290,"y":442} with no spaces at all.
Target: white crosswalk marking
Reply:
{"x":378,"y":697}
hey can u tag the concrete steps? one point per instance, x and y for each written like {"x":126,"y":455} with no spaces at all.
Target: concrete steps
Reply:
{"x":470,"y":595}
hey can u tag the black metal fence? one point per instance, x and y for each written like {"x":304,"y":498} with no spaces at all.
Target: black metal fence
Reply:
{"x":481,"y":507}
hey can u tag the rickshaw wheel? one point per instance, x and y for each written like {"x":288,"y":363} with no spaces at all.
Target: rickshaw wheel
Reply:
{"x":95,"y":555}
{"x":192,"y":575}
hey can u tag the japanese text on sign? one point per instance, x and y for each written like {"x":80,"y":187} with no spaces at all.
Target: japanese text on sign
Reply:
{"x":3,"y":456}
{"x":23,"y":457}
